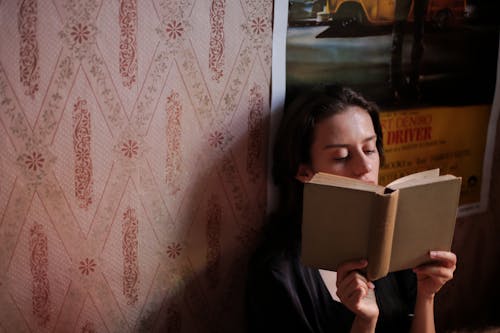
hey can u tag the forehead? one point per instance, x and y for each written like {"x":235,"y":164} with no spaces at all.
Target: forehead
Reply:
{"x":353,"y":121}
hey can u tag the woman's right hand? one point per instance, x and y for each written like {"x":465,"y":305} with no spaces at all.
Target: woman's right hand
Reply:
{"x":357,"y":293}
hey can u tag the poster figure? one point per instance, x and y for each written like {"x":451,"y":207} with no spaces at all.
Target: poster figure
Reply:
{"x":401,"y":14}
{"x":429,"y":64}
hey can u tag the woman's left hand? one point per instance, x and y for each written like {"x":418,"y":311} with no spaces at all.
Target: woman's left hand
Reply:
{"x":433,"y":275}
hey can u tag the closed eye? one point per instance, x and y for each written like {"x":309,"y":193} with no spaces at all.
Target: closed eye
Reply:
{"x":342,"y":158}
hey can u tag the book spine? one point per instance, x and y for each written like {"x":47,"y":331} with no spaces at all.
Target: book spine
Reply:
{"x":381,"y":235}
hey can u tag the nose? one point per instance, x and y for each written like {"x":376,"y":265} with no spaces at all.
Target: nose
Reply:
{"x":361,"y":165}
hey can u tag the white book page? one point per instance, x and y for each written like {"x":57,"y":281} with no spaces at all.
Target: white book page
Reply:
{"x":421,"y":181}
{"x":433,"y":173}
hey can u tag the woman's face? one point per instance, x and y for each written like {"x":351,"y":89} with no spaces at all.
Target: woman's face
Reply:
{"x":345,"y":145}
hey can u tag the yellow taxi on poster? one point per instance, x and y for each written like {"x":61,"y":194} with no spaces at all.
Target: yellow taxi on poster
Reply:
{"x":440,"y":12}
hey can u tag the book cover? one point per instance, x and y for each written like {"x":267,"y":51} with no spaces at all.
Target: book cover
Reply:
{"x":393,"y":227}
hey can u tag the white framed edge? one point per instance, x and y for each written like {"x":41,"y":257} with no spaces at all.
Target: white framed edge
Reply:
{"x":489,"y":150}
{"x":278,"y":87}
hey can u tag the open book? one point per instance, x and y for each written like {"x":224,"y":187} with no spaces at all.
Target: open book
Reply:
{"x":393,"y":227}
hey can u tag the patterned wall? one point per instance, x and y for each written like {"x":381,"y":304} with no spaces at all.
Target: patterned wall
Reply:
{"x":133,"y":145}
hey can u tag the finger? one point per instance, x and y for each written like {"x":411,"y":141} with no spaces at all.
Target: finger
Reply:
{"x":349,"y":277}
{"x":352,"y":284}
{"x":349,"y":266}
{"x":357,"y":294}
{"x":447,"y":258}
{"x":441,"y":260}
{"x":345,"y":280}
{"x":435,"y":271}
{"x":352,"y":294}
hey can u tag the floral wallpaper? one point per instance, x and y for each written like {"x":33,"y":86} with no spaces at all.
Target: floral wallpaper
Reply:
{"x":133,"y":158}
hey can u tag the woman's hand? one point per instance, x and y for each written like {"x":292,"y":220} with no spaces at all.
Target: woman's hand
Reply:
{"x":432,"y":276}
{"x":356,"y":292}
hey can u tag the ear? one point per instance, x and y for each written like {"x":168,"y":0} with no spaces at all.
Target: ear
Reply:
{"x":305,"y":173}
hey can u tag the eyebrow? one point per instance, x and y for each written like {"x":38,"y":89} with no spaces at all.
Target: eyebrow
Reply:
{"x":342,"y":145}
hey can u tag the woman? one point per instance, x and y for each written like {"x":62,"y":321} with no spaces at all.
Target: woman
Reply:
{"x":339,"y":133}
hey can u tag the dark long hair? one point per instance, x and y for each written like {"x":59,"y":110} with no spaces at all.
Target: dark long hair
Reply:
{"x":292,"y":147}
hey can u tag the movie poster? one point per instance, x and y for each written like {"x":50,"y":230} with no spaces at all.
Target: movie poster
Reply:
{"x":430,"y":65}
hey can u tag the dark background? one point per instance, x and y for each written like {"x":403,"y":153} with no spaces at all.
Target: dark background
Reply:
{"x":458,"y":66}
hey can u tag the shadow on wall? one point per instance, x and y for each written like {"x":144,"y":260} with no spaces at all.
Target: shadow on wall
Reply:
{"x":206,"y":292}
{"x":225,"y":209}
{"x":470,"y":300}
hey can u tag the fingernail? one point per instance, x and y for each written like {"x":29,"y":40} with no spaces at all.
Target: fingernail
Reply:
{"x":433,"y":254}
